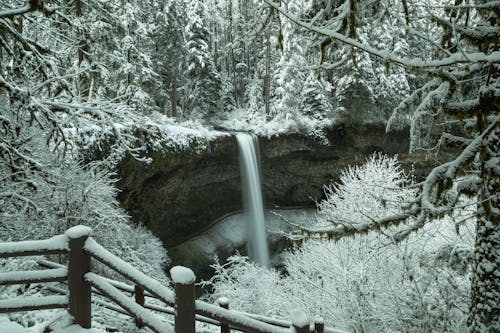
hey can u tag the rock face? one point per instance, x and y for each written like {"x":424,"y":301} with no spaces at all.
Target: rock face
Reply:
{"x":181,"y":193}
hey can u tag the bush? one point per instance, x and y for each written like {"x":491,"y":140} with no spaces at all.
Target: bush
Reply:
{"x":365,"y":283}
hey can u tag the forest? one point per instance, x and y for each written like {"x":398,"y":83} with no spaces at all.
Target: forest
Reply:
{"x":386,"y":252}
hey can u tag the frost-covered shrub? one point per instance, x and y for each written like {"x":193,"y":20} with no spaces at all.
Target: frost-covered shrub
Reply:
{"x":68,"y":193}
{"x":366,"y":192}
{"x":365,"y":283}
{"x":248,"y":286}
{"x":371,"y":285}
{"x":358,"y":284}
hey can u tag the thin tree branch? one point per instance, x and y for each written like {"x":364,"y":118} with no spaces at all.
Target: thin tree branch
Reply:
{"x":414,"y":63}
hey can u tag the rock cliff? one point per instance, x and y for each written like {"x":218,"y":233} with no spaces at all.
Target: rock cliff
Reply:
{"x":182,"y":192}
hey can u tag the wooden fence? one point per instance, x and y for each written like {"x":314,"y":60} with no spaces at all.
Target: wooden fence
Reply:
{"x":81,"y":282}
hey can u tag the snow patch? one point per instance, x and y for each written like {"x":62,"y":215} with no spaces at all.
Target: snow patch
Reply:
{"x":77,"y":329}
{"x":58,"y":242}
{"x":182,"y":275}
{"x":223,"y":301}
{"x":299,"y":318}
{"x":78,"y":231}
{"x":12,"y":327}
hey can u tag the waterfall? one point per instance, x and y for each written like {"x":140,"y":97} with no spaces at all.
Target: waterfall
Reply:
{"x":252,"y":199}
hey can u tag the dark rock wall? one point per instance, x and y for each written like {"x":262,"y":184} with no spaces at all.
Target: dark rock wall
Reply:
{"x":181,"y":193}
{"x":296,"y":167}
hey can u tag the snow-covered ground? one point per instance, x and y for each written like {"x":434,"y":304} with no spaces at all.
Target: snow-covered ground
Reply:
{"x":258,"y":123}
{"x":8,"y":326}
{"x":229,"y":233}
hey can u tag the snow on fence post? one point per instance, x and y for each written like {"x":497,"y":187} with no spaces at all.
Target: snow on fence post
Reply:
{"x":224,"y":303}
{"x":300,"y":321}
{"x":78,"y":266}
{"x":139,"y":299}
{"x":183,"y":279}
{"x":319,"y":325}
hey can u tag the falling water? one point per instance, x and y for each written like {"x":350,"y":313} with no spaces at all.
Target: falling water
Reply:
{"x":252,"y":198}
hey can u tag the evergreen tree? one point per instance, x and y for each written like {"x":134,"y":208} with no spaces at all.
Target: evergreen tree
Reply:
{"x":289,"y":77}
{"x":313,"y":100}
{"x":228,"y":102}
{"x":203,"y":82}
{"x":171,"y":53}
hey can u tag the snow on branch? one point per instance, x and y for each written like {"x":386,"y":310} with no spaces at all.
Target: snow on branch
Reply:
{"x":442,"y":176}
{"x":487,"y":5}
{"x":450,"y":139}
{"x":15,"y":11}
{"x":462,"y":109}
{"x":340,"y":230}
{"x":477,"y":34}
{"x":388,"y":56}
{"x":30,"y":6}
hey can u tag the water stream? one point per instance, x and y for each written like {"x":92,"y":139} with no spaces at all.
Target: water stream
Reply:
{"x":252,"y":199}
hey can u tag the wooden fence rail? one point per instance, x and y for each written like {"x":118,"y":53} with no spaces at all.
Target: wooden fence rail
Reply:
{"x":81,"y":282}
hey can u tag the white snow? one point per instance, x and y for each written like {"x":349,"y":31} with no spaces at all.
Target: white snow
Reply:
{"x":56,"y":243}
{"x":76,"y":329}
{"x":23,"y":302}
{"x":78,"y":231}
{"x":34,"y":276}
{"x":8,"y":326}
{"x":223,"y":301}
{"x":218,"y":313}
{"x":146,"y":316}
{"x":11,"y":327}
{"x":163,"y":134}
{"x":299,"y":318}
{"x":129,"y":271}
{"x":182,"y":275}
{"x":243,"y":120}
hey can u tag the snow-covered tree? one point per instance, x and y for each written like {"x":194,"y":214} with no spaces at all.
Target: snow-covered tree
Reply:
{"x":313,"y":99}
{"x":366,"y":193}
{"x":467,"y":53}
{"x":203,"y":81}
{"x":50,"y":89}
{"x":171,"y":52}
{"x":364,"y":283}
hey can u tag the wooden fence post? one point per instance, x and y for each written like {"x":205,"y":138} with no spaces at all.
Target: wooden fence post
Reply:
{"x":224,"y":303}
{"x":139,"y":299}
{"x":183,"y":279}
{"x":78,"y":266}
{"x":300,"y":321}
{"x":319,"y":325}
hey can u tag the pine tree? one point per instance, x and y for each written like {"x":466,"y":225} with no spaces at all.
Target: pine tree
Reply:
{"x":171,"y":53}
{"x":203,"y":81}
{"x":228,"y":102}
{"x":314,"y":102}
{"x":289,"y":77}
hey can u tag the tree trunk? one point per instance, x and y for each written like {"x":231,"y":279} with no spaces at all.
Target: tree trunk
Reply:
{"x":83,"y":80}
{"x":267,"y":80}
{"x":485,"y":288}
{"x":173,"y":96}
